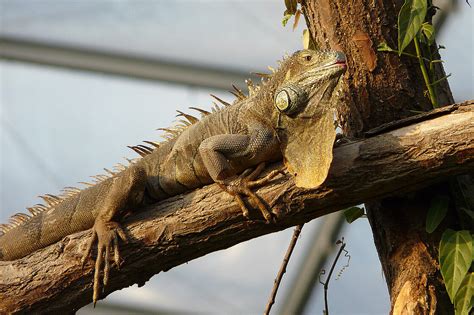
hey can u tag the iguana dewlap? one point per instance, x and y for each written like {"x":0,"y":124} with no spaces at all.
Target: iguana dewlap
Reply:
{"x":291,"y":115}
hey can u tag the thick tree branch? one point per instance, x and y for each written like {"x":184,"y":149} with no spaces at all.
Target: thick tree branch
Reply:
{"x":191,"y":225}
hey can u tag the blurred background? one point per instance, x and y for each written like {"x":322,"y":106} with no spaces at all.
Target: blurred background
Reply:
{"x":81,"y":80}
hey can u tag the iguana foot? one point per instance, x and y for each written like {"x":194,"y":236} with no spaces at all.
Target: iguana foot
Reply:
{"x":243,"y":184}
{"x":106,"y":234}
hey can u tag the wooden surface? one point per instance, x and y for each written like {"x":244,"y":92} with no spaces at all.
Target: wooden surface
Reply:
{"x":191,"y":225}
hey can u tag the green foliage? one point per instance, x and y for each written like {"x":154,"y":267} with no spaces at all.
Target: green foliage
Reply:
{"x":385,"y":47}
{"x":353,"y":213}
{"x":413,"y":28}
{"x":410,"y":19}
{"x":285,"y":19}
{"x":436,"y":212}
{"x":428,"y":32}
{"x":464,"y":300}
{"x":291,"y":9}
{"x":455,"y":258}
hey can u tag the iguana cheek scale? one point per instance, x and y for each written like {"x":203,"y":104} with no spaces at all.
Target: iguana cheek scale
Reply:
{"x":290,"y":115}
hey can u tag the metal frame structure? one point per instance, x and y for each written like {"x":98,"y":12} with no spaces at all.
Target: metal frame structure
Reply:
{"x":112,"y":63}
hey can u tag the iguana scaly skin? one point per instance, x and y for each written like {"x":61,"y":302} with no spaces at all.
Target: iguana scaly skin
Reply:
{"x":291,"y":115}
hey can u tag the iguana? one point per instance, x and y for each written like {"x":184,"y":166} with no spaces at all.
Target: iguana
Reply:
{"x":290,"y":115}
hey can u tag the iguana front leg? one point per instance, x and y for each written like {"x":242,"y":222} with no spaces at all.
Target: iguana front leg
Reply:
{"x":123,"y":192}
{"x":218,"y":153}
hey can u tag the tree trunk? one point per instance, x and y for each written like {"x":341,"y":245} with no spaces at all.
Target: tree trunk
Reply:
{"x":381,"y":87}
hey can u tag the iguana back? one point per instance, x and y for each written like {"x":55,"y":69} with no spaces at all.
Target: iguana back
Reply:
{"x":169,"y":168}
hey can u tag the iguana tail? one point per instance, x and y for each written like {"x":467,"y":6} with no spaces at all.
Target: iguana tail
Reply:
{"x":72,"y":211}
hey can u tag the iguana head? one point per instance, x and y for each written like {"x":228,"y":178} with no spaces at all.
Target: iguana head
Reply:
{"x":305,"y":108}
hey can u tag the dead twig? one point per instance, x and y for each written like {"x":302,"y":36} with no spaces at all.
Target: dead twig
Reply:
{"x":282,"y":270}
{"x":326,"y":283}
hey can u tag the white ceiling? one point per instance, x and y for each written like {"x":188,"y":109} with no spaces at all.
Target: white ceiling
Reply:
{"x":236,"y":34}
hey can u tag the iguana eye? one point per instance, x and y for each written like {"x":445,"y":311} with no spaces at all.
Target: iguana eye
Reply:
{"x":282,"y":101}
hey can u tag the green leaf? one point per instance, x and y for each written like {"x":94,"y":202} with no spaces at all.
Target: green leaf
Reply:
{"x":385,"y":47}
{"x":411,"y":17}
{"x":285,"y":19}
{"x":464,"y":300}
{"x":455,"y":258}
{"x":439,"y":80}
{"x":353,"y":213}
{"x":428,"y":31}
{"x":436,"y":212}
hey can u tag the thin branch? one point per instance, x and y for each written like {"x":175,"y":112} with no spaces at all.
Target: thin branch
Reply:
{"x":326,"y":283}
{"x":281,"y":272}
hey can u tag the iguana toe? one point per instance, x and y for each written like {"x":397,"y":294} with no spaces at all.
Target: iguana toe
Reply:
{"x":243,"y":184}
{"x":107,"y":235}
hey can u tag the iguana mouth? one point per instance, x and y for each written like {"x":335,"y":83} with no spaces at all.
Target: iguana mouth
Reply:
{"x":340,"y":63}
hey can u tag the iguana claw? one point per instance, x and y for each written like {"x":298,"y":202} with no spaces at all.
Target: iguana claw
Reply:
{"x":107,"y":235}
{"x":243,"y":184}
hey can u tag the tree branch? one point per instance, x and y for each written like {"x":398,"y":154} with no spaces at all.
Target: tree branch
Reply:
{"x":282,"y":271}
{"x":191,"y":225}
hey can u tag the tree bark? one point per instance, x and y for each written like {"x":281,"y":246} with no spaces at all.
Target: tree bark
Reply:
{"x":379,"y":87}
{"x":191,"y":225}
{"x":382,"y":87}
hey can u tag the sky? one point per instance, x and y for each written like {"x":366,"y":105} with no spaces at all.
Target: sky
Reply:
{"x":60,"y":126}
